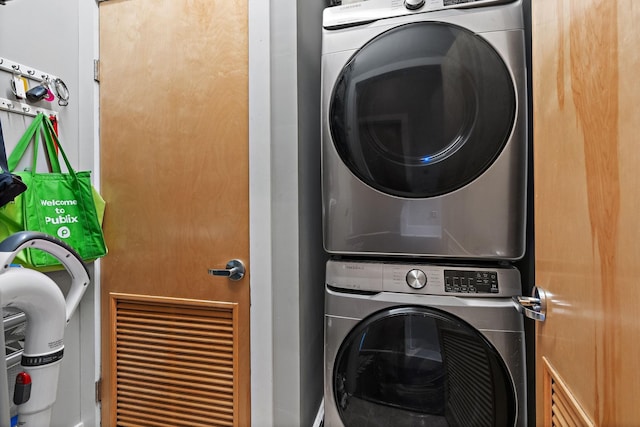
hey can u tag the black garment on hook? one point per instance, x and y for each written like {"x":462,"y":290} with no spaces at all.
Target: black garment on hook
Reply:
{"x":10,"y":185}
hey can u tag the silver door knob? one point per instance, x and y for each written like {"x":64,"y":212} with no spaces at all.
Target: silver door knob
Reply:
{"x":234,"y":270}
{"x":533,"y":307}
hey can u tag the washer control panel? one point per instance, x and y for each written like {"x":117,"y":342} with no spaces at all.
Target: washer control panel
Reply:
{"x":471,"y":282}
{"x":422,"y":278}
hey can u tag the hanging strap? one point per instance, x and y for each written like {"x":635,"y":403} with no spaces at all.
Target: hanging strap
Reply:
{"x":37,"y":126}
{"x":3,"y":152}
{"x":23,"y":143}
{"x":54,"y":122}
{"x":51,"y":143}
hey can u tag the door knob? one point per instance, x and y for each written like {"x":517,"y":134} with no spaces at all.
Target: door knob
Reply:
{"x":234,"y":270}
{"x":533,"y":307}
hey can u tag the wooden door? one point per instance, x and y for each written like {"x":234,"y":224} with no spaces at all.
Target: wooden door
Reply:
{"x":174,"y":170}
{"x":586,"y":94}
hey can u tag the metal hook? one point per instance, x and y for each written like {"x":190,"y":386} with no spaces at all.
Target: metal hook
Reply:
{"x":31,"y":72}
{"x":26,"y":109}
{"x":16,"y":67}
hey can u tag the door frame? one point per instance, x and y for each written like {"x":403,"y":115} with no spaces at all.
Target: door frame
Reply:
{"x":260,"y":241}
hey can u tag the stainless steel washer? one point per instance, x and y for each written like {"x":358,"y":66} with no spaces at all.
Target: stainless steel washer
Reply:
{"x":423,"y":345}
{"x":424,"y":133}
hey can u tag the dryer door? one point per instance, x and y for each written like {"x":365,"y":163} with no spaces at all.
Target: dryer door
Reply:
{"x":415,"y":366}
{"x":422,"y":109}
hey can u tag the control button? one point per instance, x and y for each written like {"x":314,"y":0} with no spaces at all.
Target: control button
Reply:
{"x":416,"y":279}
{"x":413,"y":4}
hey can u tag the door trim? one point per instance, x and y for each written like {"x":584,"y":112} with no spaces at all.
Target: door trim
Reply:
{"x":260,"y":239}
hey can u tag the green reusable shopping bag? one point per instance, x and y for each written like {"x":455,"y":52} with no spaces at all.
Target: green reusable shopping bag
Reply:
{"x":59,"y":204}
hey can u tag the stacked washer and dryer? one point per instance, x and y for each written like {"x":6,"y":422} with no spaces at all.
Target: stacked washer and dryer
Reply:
{"x":424,"y":163}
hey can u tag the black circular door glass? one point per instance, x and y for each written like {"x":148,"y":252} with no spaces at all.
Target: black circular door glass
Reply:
{"x":418,"y":366}
{"x":422,"y":109}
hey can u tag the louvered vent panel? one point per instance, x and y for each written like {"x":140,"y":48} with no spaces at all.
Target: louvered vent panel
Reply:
{"x":564,"y":410}
{"x":174,"y":364}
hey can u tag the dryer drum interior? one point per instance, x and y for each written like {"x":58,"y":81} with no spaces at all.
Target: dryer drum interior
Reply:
{"x":422,"y":109}
{"x":415,"y":366}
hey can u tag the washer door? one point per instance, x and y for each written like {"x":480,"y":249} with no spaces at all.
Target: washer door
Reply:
{"x":418,"y":366}
{"x":422,"y":109}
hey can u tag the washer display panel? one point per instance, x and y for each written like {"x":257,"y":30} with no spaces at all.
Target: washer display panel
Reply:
{"x":422,"y":109}
{"x":415,"y":366}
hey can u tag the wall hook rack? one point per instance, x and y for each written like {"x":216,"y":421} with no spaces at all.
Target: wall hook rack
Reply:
{"x":24,"y":109}
{"x":25,"y":71}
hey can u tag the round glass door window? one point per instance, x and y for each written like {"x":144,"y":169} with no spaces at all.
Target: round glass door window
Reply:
{"x":422,"y":109}
{"x":418,"y":366}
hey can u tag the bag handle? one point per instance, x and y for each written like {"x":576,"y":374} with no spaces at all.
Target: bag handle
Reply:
{"x":50,"y":136}
{"x":24,"y":142}
{"x":41,"y":123}
{"x":49,"y":149}
{"x":52,"y":151}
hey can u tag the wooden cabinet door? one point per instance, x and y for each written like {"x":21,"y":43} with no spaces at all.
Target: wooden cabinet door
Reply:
{"x":174,"y":171}
{"x":586,"y":93}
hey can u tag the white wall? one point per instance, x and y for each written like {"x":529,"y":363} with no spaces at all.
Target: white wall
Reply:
{"x":311,"y":252}
{"x":285,"y":215}
{"x":287,"y":352}
{"x":57,"y":37}
{"x":260,"y":213}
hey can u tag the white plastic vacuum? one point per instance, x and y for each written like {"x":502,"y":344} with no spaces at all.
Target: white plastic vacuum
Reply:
{"x":47,"y":313}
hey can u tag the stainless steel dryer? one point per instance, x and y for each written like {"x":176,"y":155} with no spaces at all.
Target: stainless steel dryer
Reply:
{"x":423,"y":345}
{"x":424,"y":129}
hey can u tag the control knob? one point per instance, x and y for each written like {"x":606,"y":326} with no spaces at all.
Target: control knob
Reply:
{"x":413,"y":4}
{"x":416,"y":279}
